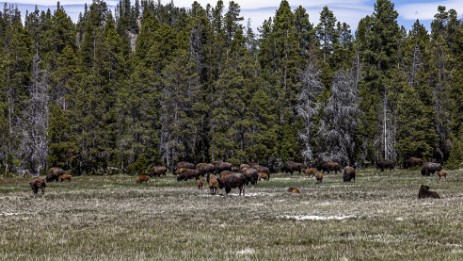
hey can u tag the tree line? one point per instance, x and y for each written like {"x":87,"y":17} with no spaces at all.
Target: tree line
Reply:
{"x":149,"y":83}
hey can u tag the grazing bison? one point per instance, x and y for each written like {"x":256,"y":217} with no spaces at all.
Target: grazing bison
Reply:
{"x":186,"y":174}
{"x":412,"y":162}
{"x":157,"y":171}
{"x":38,"y":183}
{"x":310,"y":171}
{"x":205,"y":168}
{"x":142,"y":178}
{"x":442,"y":174}
{"x":294,"y":190}
{"x":264,"y":175}
{"x":426,"y":193}
{"x":319,"y":177}
{"x":349,"y":174}
{"x":385,"y":164}
{"x":251,"y":175}
{"x":229,"y":180}
{"x":65,"y":176}
{"x":54,"y":173}
{"x":291,"y":166}
{"x":213,"y":184}
{"x":327,"y":166}
{"x":429,"y":168}
{"x":221,"y":166}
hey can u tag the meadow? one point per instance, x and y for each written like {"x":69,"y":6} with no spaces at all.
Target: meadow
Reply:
{"x":112,"y":218}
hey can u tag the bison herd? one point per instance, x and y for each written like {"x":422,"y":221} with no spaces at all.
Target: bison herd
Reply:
{"x":223,"y":175}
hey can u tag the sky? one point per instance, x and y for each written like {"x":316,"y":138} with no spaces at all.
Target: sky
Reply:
{"x":349,"y":11}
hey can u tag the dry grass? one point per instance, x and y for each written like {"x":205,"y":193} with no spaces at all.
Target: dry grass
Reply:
{"x":111,"y":218}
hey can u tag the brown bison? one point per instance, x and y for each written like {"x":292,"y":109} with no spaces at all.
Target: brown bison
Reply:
{"x":186,"y":174}
{"x":142,"y":178}
{"x":205,"y":168}
{"x":349,"y":174}
{"x":54,"y":173}
{"x":310,"y":171}
{"x":385,"y":164}
{"x":229,"y":180}
{"x":213,"y":184}
{"x":264,"y":175}
{"x":251,"y":175}
{"x":442,"y":174}
{"x":327,"y":166}
{"x":260,"y":168}
{"x":183,"y":165}
{"x":38,"y":183}
{"x":426,"y":193}
{"x":294,"y":190}
{"x":318,"y":177}
{"x":429,"y":168}
{"x":157,"y":171}
{"x":65,"y":176}
{"x":412,"y":162}
{"x":291,"y":166}
{"x":221,"y":166}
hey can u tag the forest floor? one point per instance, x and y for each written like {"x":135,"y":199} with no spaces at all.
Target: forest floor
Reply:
{"x":112,"y":218}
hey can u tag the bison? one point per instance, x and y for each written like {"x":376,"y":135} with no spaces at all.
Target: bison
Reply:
{"x":54,"y":173}
{"x":36,"y":184}
{"x":294,"y":190}
{"x":327,"y":166}
{"x":142,"y":178}
{"x":412,"y":162}
{"x":385,"y":164}
{"x":186,"y":174}
{"x":157,"y":171}
{"x":213,"y":184}
{"x":426,"y":193}
{"x":264,"y":175}
{"x":221,"y":166}
{"x":65,"y":176}
{"x":349,"y":174}
{"x":442,"y":174}
{"x":183,"y":165}
{"x":260,"y":168}
{"x":205,"y":168}
{"x":291,"y":166}
{"x":318,"y":177}
{"x":200,"y":183}
{"x":310,"y":171}
{"x":429,"y":168}
{"x":251,"y":175}
{"x":229,"y":180}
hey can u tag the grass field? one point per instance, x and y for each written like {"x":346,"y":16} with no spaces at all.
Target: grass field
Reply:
{"x":111,"y":218}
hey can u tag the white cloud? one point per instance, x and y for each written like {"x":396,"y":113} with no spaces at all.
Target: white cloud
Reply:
{"x":426,"y":11}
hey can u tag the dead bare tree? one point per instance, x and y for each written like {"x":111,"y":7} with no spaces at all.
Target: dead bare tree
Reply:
{"x":33,"y":150}
{"x":308,"y":106}
{"x":338,"y":126}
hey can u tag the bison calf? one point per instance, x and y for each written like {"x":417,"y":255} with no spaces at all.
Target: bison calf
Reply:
{"x":426,"y":193}
{"x":142,"y":178}
{"x":200,"y":183}
{"x":65,"y":176}
{"x":294,"y":190}
{"x":319,"y":177}
{"x":38,"y":183}
{"x":264,"y":175}
{"x":442,"y":174}
{"x":213,"y":184}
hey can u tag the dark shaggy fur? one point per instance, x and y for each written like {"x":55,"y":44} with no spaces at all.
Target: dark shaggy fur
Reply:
{"x":426,"y":193}
{"x":54,"y":173}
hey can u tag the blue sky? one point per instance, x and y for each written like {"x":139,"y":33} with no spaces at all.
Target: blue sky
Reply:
{"x":349,"y":11}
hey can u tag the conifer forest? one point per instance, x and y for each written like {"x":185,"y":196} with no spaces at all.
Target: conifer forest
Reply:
{"x":151,"y":84}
